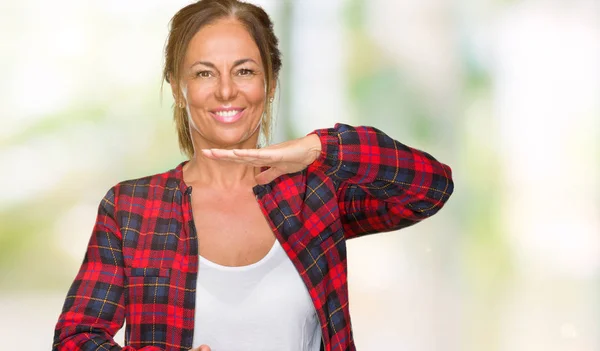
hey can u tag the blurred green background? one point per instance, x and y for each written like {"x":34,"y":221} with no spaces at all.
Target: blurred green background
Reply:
{"x":505,"y":92}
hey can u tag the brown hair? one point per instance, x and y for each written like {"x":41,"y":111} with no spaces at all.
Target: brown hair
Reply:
{"x":188,"y":21}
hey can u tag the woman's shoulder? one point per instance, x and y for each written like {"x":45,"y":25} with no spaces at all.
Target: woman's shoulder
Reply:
{"x":158,"y":185}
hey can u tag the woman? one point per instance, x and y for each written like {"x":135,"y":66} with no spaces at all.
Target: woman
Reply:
{"x":254,"y":258}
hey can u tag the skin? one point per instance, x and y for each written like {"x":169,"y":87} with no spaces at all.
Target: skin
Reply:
{"x":223,"y":69}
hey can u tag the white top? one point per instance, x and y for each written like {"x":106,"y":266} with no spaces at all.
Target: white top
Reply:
{"x":263,"y":306}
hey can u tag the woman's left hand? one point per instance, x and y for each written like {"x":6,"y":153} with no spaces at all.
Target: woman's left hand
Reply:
{"x":288,"y":157}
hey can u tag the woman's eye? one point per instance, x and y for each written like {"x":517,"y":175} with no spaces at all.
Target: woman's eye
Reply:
{"x":203,"y":74}
{"x":245,"y":72}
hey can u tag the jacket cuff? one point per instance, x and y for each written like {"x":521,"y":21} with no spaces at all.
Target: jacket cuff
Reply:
{"x":330,"y":158}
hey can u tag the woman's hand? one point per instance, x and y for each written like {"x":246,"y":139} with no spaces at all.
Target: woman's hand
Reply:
{"x":288,"y":157}
{"x":201,"y":348}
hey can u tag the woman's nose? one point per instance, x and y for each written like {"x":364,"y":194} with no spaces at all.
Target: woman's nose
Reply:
{"x":226,"y":89}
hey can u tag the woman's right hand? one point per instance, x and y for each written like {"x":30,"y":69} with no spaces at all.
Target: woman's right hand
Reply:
{"x":287,"y":157}
{"x":201,"y":348}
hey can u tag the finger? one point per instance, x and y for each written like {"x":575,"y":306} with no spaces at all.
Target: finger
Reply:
{"x":220,"y":153}
{"x":225,"y":155}
{"x":271,"y":155}
{"x":268,"y":176}
{"x":253,"y":153}
{"x":216,"y":154}
{"x":208,"y":153}
{"x":244,"y":153}
{"x":204,"y":348}
{"x":239,"y":156}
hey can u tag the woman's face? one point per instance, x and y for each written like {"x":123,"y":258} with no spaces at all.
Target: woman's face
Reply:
{"x":223,"y":83}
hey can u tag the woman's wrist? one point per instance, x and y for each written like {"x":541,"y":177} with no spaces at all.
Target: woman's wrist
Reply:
{"x":313,"y":146}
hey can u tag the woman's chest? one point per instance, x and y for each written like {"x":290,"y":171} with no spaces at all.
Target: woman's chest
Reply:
{"x":231,"y":231}
{"x":265,"y":304}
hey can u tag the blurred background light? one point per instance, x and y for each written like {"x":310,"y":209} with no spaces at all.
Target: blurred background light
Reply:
{"x":506,"y":92}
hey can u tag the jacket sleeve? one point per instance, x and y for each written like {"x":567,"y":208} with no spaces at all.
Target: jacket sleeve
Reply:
{"x":382,"y":185}
{"x":94,"y":308}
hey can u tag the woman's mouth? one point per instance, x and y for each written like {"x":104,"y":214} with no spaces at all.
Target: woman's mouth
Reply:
{"x":227,"y":115}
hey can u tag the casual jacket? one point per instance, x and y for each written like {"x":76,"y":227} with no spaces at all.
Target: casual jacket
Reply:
{"x":141,"y":263}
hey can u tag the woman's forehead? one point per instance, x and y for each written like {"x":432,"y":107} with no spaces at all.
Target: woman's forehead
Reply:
{"x":223,"y":40}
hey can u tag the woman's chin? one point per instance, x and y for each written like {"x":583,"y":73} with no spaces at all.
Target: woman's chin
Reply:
{"x":235,"y":142}
{"x":227,"y":138}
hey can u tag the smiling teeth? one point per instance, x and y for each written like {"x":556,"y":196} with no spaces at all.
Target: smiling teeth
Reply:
{"x":230,"y":113}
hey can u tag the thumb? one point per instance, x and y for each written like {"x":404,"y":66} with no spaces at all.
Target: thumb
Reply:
{"x":267,"y":176}
{"x":204,"y":348}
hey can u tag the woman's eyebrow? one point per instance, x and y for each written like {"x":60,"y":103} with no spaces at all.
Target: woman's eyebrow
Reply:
{"x":212,"y":65}
{"x":242,"y":61}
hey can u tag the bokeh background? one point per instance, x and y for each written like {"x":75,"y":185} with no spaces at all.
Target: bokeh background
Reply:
{"x":507,"y":92}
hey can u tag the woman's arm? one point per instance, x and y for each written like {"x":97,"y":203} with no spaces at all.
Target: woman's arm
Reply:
{"x":382,"y":184}
{"x":94,"y":308}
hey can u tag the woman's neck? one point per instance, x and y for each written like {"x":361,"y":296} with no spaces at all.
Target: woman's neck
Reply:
{"x":217,"y":174}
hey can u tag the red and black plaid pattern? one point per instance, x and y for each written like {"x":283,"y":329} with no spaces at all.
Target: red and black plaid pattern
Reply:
{"x":142,"y":259}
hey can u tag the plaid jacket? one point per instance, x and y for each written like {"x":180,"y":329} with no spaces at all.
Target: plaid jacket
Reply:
{"x":141,"y":263}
